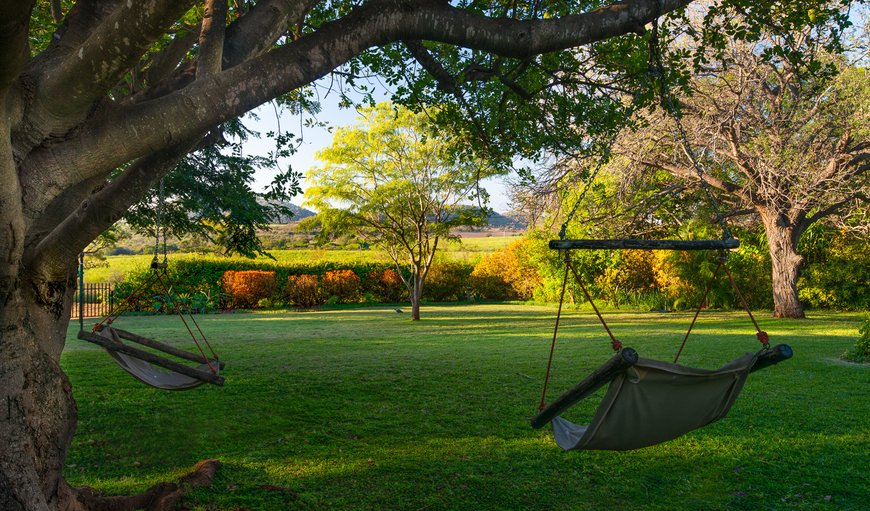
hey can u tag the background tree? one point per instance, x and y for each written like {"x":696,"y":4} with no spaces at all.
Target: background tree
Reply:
{"x":398,"y":185}
{"x":103,"y":98}
{"x":788,"y":143}
{"x":778,"y":125}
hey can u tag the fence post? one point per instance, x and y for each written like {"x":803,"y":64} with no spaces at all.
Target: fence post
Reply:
{"x":81,"y":290}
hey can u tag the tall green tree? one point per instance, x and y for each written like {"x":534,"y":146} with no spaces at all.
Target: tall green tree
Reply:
{"x":394,"y":182}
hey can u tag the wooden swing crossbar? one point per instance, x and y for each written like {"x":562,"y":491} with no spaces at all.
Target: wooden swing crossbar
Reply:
{"x":206,"y":376}
{"x":626,"y":358}
{"x":616,"y":244}
{"x":166,"y":348}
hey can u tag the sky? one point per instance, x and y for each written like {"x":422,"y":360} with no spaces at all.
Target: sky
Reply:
{"x":316,"y":138}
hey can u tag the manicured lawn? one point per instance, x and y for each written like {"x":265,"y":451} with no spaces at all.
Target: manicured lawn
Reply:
{"x":363,"y":409}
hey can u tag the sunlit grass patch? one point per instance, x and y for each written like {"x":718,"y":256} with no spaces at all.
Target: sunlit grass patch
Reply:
{"x":363,"y":409}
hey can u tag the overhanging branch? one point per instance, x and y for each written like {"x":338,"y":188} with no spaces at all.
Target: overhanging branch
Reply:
{"x":149,"y":127}
{"x":101,"y":210}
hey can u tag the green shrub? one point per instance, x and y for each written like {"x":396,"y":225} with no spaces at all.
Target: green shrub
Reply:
{"x":838,"y":277}
{"x":629,"y":273}
{"x":447,"y":281}
{"x":861,"y":351}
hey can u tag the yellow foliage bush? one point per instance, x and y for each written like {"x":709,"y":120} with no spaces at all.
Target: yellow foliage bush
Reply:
{"x":506,"y":274}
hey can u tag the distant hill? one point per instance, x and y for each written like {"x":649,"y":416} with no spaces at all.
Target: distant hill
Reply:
{"x":513,"y":220}
{"x":299,"y":213}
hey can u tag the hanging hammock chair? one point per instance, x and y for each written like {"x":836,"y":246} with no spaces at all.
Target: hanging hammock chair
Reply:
{"x":149,"y":368}
{"x":152,"y":369}
{"x":650,"y":401}
{"x":156,"y":371}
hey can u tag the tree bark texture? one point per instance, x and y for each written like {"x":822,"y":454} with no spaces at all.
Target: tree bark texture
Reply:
{"x":79,"y":144}
{"x":36,"y":404}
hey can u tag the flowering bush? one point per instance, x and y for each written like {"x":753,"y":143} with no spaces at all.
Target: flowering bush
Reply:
{"x":507,"y":274}
{"x":386,"y":286}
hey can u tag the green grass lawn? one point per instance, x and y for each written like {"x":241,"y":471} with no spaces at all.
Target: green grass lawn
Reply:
{"x":363,"y":409}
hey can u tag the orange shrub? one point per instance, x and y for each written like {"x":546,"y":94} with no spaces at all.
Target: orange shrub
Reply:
{"x":247,"y":288}
{"x":386,"y":285}
{"x":342,"y":284}
{"x":304,"y":291}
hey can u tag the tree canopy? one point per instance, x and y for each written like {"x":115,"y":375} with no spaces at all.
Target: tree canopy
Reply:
{"x":779,"y":134}
{"x":397,"y":184}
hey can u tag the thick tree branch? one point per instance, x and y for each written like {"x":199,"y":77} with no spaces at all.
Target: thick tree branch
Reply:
{"x":211,"y":38}
{"x":164,"y":64}
{"x":100,"y":211}
{"x":56,"y":11}
{"x":68,"y":88}
{"x":104,"y":57}
{"x":526,"y":38}
{"x":256,"y":31}
{"x":690,"y":174}
{"x":247,"y":37}
{"x":151,"y":126}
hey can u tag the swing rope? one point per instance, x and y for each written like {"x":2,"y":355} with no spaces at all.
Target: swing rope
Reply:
{"x":614,"y":342}
{"x":762,"y":336}
{"x":701,"y":305}
{"x":543,"y":402}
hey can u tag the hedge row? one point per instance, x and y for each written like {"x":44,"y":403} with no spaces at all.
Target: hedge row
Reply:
{"x":836,"y":277}
{"x":257,"y":288}
{"x":234,"y":283}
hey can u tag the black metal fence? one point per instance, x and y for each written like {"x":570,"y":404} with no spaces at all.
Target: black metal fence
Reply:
{"x":98,"y":301}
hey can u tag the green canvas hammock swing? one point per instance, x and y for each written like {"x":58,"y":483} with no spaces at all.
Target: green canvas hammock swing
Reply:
{"x":650,"y":401}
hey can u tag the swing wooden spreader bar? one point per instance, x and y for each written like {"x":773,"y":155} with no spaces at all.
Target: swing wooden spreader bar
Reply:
{"x":165,"y":348}
{"x":151,"y":358}
{"x":626,"y":358}
{"x":615,"y":244}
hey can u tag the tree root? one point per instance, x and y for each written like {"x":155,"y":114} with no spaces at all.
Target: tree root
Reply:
{"x":160,"y":497}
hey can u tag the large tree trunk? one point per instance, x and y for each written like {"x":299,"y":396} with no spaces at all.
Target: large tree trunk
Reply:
{"x":787,"y":264}
{"x":37,"y":410}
